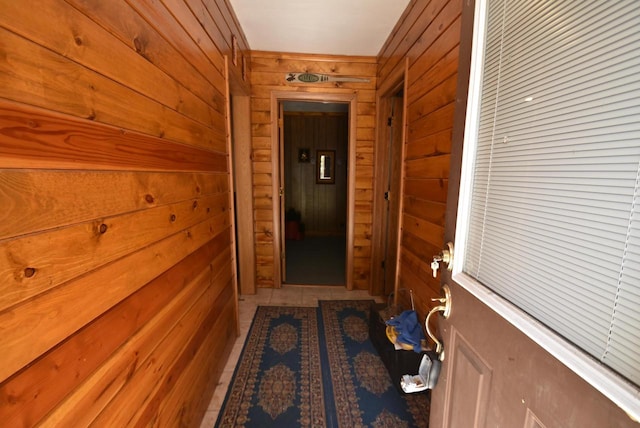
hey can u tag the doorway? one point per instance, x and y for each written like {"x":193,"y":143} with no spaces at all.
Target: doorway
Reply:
{"x":391,"y":119}
{"x":315,"y":151}
{"x":391,"y":182}
{"x":328,"y":169}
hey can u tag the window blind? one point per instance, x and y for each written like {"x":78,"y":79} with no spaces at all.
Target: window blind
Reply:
{"x":554,"y":224}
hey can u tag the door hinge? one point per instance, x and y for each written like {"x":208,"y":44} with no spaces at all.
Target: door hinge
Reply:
{"x":387,"y":196}
{"x":390,"y":121}
{"x":382,"y":264}
{"x":281,"y":192}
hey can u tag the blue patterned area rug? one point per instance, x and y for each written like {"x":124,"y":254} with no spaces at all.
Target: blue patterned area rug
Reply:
{"x":316,"y":367}
{"x":358,"y":390}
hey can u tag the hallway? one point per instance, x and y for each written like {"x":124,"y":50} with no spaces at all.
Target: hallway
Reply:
{"x":318,"y":260}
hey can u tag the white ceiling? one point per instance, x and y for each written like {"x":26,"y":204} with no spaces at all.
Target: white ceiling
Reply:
{"x":340,"y":27}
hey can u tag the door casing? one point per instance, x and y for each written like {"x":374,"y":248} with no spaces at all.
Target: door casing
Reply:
{"x":394,"y":83}
{"x":278,"y":232}
{"x":238,"y":145}
{"x":243,"y":185}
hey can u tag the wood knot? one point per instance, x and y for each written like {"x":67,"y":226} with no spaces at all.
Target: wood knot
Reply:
{"x":194,"y":205}
{"x":29,"y":272}
{"x":103,"y":228}
{"x":149,"y":198}
{"x":138,"y":45}
{"x":78,"y":40}
{"x":172,"y":218}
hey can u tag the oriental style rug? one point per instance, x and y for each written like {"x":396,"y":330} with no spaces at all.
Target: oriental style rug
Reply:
{"x":358,"y":389}
{"x":316,"y":367}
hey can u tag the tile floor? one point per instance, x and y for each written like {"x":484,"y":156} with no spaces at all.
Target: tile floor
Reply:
{"x":288,"y":295}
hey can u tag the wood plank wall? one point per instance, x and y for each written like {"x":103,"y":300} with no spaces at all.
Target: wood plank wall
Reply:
{"x":428,"y":33}
{"x":117,"y":303}
{"x":268,"y":72}
{"x":323,"y":207}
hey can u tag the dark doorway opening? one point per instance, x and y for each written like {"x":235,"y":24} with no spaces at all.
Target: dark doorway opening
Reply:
{"x":315,"y":163}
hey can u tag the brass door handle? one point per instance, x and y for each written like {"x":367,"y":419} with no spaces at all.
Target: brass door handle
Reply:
{"x":445,"y":308}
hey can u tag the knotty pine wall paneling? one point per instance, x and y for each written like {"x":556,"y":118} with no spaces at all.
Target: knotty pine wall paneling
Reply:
{"x":117,"y":297}
{"x":428,"y":34}
{"x":268,"y":71}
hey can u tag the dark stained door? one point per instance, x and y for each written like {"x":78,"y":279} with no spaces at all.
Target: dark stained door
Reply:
{"x":392,"y":192}
{"x":494,"y":375}
{"x":281,"y":193}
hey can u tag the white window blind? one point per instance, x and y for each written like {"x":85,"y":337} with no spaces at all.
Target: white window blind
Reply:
{"x":554,"y":221}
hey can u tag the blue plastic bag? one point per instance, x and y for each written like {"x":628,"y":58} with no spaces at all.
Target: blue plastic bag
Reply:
{"x":408,"y":328}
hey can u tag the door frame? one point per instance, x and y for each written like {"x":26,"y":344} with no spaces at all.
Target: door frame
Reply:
{"x":278,"y":233}
{"x":397,"y":80}
{"x":238,"y":144}
{"x":240,"y":152}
